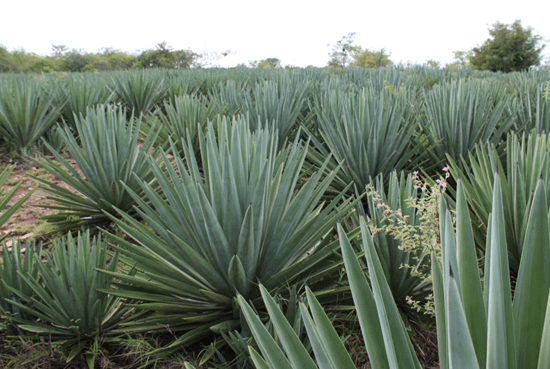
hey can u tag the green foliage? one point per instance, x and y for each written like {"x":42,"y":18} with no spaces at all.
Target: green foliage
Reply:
{"x":532,"y":110}
{"x":72,"y":311}
{"x":106,"y":59}
{"x":346,"y":54}
{"x":139,"y":92}
{"x":342,"y":52}
{"x":268,"y":63}
{"x":109,"y":60}
{"x":479,"y":324}
{"x":371,"y":59}
{"x":241,"y":341}
{"x":325,"y":341}
{"x":525,"y":161}
{"x":461,"y":60}
{"x":26,"y":113}
{"x":17,"y":262}
{"x":77,"y":60}
{"x":20,"y":61}
{"x":230,"y":207}
{"x":511,"y":48}
{"x":388,"y":344}
{"x":276,"y":104}
{"x":107,"y":158}
{"x":459,"y":115}
{"x":489,"y":328}
{"x":369,"y":133}
{"x":79,"y":93}
{"x":403,"y":216}
{"x":182,"y":119}
{"x":165,"y":57}
{"x":215,"y":232}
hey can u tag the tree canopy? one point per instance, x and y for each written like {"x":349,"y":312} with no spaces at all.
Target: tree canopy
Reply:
{"x":268,"y":63}
{"x":345,"y":53}
{"x":510,"y":48}
{"x":75,"y":60}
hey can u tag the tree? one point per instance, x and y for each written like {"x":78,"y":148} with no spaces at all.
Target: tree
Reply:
{"x":371,"y":59}
{"x":4,"y":59}
{"x":76,"y":60}
{"x":461,"y":60}
{"x":510,"y":48}
{"x":342,"y":52}
{"x":432,"y":63}
{"x":346,"y":54}
{"x":165,"y":57}
{"x":20,"y":61}
{"x":268,"y":63}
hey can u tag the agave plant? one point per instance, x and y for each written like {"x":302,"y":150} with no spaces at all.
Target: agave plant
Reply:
{"x":71,"y":310}
{"x":106,"y":158}
{"x":139,"y":92}
{"x":231,"y":94}
{"x":387,"y":342}
{"x":493,"y":328}
{"x":79,"y":94}
{"x":184,"y":117}
{"x":214,"y":232}
{"x":17,"y":261}
{"x":532,"y":110}
{"x":278,"y":104}
{"x":525,"y":160}
{"x":477,"y":327}
{"x":459,"y":115}
{"x":26,"y":113}
{"x":397,"y":202}
{"x":241,"y":341}
{"x":370,"y":133}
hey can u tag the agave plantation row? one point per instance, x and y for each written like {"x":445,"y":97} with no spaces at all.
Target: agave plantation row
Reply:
{"x":222,"y":194}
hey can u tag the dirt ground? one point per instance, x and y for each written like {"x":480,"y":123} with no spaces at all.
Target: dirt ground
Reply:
{"x":26,"y":223}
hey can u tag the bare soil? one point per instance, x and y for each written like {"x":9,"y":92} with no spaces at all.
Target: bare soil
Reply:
{"x":26,"y":223}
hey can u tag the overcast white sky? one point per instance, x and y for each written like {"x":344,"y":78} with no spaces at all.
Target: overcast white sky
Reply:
{"x":298,"y":32}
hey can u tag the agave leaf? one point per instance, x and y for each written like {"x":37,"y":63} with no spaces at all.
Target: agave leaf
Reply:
{"x":270,"y":350}
{"x":331,"y":342}
{"x":533,"y":283}
{"x":468,"y":272}
{"x":259,"y":361}
{"x":440,"y":312}
{"x":544,"y":354}
{"x":501,"y":349}
{"x":461,"y":352}
{"x":399,"y":348}
{"x":460,"y":347}
{"x":365,"y":305}
{"x":297,"y":354}
{"x":322,"y":358}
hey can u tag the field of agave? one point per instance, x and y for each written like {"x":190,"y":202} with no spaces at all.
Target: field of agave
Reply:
{"x":248,"y":216}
